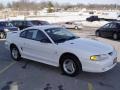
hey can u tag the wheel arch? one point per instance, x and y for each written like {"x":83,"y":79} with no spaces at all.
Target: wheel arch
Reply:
{"x":13,"y":45}
{"x":69,"y":54}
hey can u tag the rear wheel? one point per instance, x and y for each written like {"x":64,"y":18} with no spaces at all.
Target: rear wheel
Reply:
{"x":115,"y":36}
{"x":2,"y":35}
{"x":76,"y":28}
{"x":70,"y":65}
{"x":15,"y":54}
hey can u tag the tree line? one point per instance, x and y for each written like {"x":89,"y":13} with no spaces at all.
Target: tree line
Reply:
{"x":29,"y":5}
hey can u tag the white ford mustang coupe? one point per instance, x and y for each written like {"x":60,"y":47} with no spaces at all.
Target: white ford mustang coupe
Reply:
{"x":58,"y":47}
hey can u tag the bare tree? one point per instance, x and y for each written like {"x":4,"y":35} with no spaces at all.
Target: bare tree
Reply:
{"x":28,"y":5}
{"x":1,"y":6}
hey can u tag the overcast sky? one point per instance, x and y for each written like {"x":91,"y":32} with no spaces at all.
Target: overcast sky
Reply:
{"x":73,"y":1}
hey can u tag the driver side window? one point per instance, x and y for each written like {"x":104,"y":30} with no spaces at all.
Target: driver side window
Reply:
{"x":42,"y":37}
{"x":113,"y":26}
{"x":106,"y":26}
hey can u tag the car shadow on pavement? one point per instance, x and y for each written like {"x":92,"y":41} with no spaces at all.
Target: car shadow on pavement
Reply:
{"x":109,"y":79}
{"x":106,"y":79}
{"x":26,"y":69}
{"x":115,"y":72}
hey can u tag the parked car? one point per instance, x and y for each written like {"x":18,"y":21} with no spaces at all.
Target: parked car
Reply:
{"x":5,"y":27}
{"x":22,"y":24}
{"x":38,"y":22}
{"x":59,"y":47}
{"x":93,"y":18}
{"x":72,"y":25}
{"x":109,"y":30}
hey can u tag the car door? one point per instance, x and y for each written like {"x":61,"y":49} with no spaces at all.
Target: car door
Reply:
{"x":113,"y":28}
{"x":68,"y":25}
{"x":25,"y":24}
{"x":104,"y":30}
{"x":38,"y":47}
{"x":16,"y":24}
{"x":20,"y":24}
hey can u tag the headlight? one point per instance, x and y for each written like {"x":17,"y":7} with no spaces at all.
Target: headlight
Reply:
{"x":98,"y":57}
{"x":6,"y":30}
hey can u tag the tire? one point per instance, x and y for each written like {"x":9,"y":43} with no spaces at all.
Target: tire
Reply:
{"x":98,"y":34}
{"x":74,"y":67}
{"x":2,"y":35}
{"x":115,"y":36}
{"x":76,"y":28}
{"x":15,"y":54}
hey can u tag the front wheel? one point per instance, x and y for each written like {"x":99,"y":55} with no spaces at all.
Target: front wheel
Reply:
{"x":15,"y":53}
{"x":70,"y":66}
{"x":98,"y":34}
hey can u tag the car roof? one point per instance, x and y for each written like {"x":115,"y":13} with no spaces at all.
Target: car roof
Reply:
{"x":118,"y":22}
{"x":44,"y":27}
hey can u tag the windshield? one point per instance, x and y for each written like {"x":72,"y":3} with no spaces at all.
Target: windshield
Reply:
{"x":60,"y":35}
{"x":6,"y":24}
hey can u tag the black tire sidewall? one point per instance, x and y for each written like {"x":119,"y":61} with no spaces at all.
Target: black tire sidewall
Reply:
{"x":19,"y":56}
{"x":78,"y":68}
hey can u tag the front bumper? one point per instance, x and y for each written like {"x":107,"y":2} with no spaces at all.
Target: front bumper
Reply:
{"x":100,"y":66}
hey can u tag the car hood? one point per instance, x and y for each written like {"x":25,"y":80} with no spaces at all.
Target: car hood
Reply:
{"x":88,"y":45}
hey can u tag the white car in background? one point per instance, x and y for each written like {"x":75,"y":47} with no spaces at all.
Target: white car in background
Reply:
{"x":59,"y":47}
{"x":73,"y":25}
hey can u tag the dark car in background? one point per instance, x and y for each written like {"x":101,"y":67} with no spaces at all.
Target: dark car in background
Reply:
{"x":5,"y":27}
{"x":109,"y":30}
{"x":38,"y":22}
{"x":22,"y":24}
{"x":93,"y":18}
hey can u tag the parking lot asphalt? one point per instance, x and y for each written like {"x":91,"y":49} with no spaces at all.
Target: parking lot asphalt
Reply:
{"x":31,"y":75}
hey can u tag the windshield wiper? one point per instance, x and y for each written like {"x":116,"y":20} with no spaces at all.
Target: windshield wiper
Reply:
{"x":61,"y":40}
